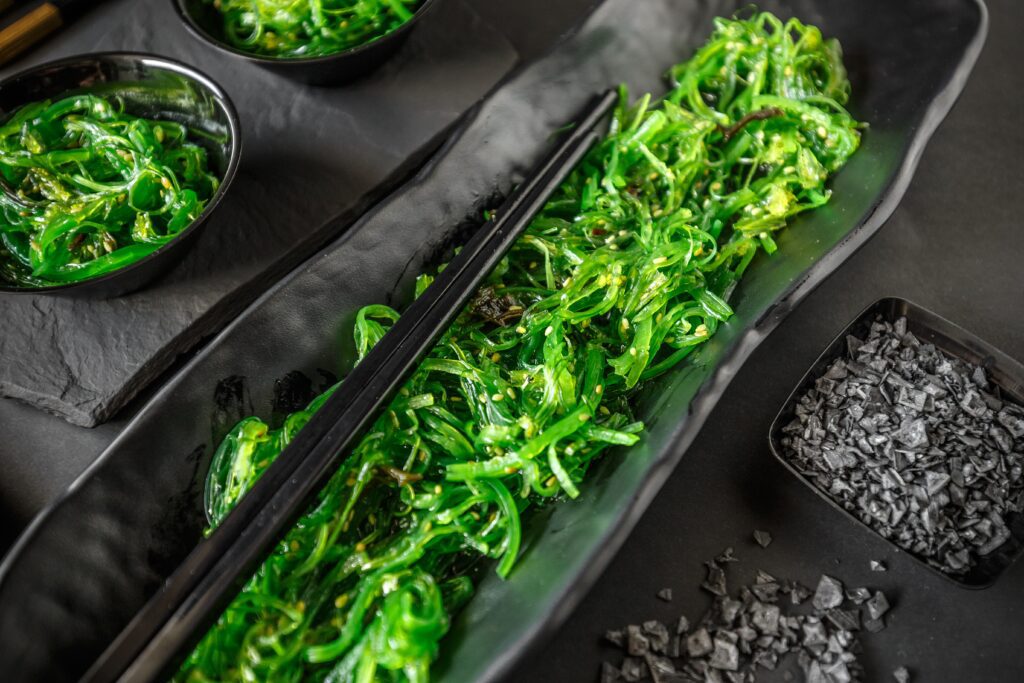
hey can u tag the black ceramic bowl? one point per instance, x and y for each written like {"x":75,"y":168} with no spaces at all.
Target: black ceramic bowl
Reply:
{"x":1006,"y":375}
{"x":205,"y":22}
{"x":153,"y":87}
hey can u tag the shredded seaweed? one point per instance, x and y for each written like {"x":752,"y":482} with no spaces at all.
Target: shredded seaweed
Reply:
{"x":89,"y":189}
{"x":626,"y":271}
{"x":309,"y":28}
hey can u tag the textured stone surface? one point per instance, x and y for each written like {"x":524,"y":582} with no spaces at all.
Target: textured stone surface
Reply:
{"x":312,"y":157}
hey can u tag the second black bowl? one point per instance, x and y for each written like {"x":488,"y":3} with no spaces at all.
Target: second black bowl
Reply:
{"x":206,"y":23}
{"x":152,"y":87}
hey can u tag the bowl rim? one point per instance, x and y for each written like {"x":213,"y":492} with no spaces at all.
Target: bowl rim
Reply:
{"x":165,"y":64}
{"x":196,"y":30}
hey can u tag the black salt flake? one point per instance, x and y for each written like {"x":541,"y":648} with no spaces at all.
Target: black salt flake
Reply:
{"x":829,"y":593}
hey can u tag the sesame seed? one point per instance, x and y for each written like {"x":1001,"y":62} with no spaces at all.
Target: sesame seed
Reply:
{"x":548,"y":330}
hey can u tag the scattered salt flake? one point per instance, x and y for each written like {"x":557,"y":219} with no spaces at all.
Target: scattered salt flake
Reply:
{"x":763,"y":538}
{"x":829,"y":593}
{"x":877,"y":605}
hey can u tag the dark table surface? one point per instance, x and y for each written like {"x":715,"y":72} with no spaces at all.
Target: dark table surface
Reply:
{"x":954,"y":246}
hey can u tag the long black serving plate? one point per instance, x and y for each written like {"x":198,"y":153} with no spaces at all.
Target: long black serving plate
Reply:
{"x":91,"y":560}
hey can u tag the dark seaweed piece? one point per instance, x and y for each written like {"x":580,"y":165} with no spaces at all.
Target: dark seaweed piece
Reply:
{"x":499,"y":310}
{"x":759,"y":115}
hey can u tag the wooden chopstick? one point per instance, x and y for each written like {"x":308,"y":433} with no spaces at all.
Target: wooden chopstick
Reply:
{"x":192,"y":598}
{"x":36,"y":24}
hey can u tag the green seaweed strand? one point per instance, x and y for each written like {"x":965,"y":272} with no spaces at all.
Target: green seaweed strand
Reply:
{"x":625,"y":272}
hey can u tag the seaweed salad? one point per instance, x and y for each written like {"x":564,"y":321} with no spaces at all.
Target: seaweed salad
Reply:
{"x":624,"y":273}
{"x":88,"y":189}
{"x":293,"y":29}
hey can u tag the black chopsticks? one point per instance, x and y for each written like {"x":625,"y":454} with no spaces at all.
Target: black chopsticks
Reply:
{"x":192,"y":598}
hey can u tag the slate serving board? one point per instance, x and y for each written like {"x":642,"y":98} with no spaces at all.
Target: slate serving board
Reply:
{"x":128,"y":521}
{"x":313,"y":159}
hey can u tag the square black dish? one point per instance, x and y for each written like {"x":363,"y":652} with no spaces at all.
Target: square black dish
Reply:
{"x":134,"y":515}
{"x":1005,"y":375}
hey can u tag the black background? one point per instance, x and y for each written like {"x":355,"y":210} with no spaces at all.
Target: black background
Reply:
{"x":955,"y":246}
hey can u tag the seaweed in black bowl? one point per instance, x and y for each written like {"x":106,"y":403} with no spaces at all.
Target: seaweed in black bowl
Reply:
{"x":326,"y":43}
{"x":110,"y":164}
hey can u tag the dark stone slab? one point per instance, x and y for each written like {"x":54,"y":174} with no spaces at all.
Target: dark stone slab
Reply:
{"x":729,"y":474}
{"x":312,"y":160}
